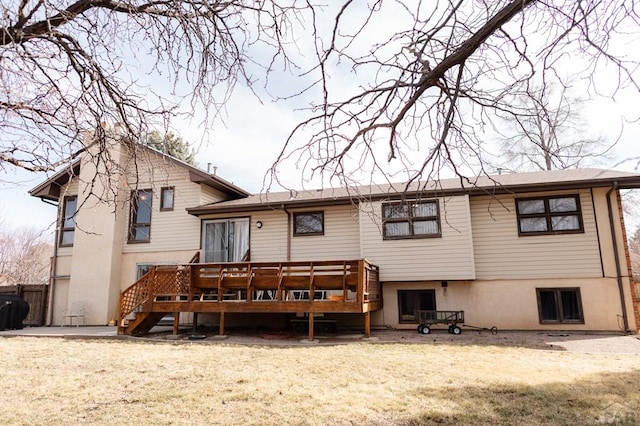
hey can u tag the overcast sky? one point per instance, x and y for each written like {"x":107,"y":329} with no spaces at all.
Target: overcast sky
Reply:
{"x":245,"y":142}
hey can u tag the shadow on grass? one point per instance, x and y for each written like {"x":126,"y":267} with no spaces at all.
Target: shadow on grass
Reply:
{"x":600,"y":399}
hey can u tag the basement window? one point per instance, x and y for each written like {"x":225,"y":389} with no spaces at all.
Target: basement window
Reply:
{"x":413,"y":300}
{"x":559,"y":305}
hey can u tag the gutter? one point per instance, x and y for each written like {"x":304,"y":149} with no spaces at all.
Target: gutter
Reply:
{"x":617,"y":257}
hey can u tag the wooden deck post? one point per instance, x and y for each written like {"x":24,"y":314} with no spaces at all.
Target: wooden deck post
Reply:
{"x":221,"y":332}
{"x":176,"y":323}
{"x":311,"y":326}
{"x":195,"y":321}
{"x":367,"y":324}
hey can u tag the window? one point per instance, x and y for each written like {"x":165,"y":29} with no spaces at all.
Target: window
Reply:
{"x":559,"y":305}
{"x":412,"y":300}
{"x":140,"y":219}
{"x":143,"y":268}
{"x":549,"y":215}
{"x":166,"y":199}
{"x":226,"y":240}
{"x":68,"y":227}
{"x":308,"y":223}
{"x":414,"y":219}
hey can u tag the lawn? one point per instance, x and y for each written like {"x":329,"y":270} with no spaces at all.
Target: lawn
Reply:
{"x":71,"y":381}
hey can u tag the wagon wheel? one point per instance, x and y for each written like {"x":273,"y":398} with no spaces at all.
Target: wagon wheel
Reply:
{"x":451,"y":328}
{"x":425,"y":329}
{"x":456,"y":330}
{"x":420,"y":326}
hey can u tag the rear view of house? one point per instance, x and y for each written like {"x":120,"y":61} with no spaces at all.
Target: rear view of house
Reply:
{"x":533,"y":251}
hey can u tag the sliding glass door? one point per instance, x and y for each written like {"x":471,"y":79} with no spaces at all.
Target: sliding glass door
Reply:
{"x":225,"y":240}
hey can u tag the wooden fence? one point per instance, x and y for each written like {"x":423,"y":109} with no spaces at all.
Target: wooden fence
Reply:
{"x":36,"y":296}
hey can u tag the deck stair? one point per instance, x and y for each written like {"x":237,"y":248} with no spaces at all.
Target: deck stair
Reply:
{"x":142,"y":323}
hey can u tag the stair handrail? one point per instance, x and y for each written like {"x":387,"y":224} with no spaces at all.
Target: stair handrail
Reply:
{"x":134,"y":296}
{"x":138,"y":293}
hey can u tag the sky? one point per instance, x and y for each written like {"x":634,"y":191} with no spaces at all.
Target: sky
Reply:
{"x":244,"y":143}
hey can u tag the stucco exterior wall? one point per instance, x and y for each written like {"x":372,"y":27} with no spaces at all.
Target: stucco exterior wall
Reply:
{"x":63,"y":267}
{"x":59,"y":301}
{"x":94,"y":279}
{"x":512,"y":304}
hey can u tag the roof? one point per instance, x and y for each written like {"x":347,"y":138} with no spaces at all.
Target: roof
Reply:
{"x":477,"y":185}
{"x":50,"y":188}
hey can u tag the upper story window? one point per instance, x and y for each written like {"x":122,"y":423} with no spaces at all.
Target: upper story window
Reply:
{"x":549,"y":215}
{"x":140,"y":217}
{"x":166,"y":198}
{"x":308,"y":223}
{"x":68,"y":227}
{"x":412,"y":219}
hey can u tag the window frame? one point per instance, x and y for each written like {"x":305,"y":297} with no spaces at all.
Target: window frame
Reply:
{"x":231,"y":222}
{"x":64,"y":229}
{"x":411,"y":219}
{"x":163,"y":191}
{"x":548,"y":215}
{"x":134,"y":225}
{"x":297,"y":233}
{"x":558,"y":301}
{"x":416,"y":292}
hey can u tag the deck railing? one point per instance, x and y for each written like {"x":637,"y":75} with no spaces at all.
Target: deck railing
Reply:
{"x":342,"y":280}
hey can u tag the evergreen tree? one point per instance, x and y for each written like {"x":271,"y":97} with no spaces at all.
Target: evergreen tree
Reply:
{"x":171,"y":144}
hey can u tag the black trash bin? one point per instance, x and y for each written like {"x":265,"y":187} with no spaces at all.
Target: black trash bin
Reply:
{"x":13,"y":310}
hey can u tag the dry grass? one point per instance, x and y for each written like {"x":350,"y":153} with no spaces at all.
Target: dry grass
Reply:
{"x":66,"y":381}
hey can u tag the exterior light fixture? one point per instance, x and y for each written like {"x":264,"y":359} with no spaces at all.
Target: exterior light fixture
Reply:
{"x":259,"y":224}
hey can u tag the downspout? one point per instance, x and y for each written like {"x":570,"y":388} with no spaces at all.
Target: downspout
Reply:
{"x":616,"y":256}
{"x":54,"y":270}
{"x":288,"y":231}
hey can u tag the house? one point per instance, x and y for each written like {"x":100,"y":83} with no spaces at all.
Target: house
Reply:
{"x":527,"y":251}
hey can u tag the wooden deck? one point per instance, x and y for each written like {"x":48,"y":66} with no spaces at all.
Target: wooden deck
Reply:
{"x":342,"y":286}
